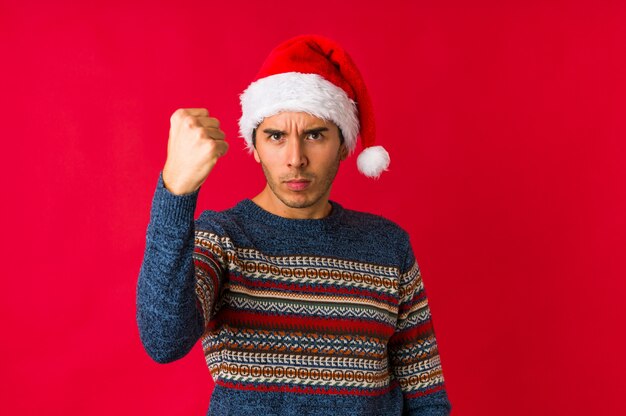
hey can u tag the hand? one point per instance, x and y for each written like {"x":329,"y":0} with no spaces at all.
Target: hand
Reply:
{"x":194,"y":145}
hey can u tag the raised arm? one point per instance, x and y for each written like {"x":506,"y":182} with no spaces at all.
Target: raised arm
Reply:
{"x":170,"y":316}
{"x":167,"y":316}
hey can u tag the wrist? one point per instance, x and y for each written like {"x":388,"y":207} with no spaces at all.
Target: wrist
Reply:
{"x":174,"y":187}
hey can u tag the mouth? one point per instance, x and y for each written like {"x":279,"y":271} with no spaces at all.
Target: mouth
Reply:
{"x":297,"y":184}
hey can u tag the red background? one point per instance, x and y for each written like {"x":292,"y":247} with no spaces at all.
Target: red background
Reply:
{"x":506,"y":128}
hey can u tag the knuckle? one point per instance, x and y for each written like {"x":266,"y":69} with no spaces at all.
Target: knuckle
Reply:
{"x":202,"y":133}
{"x":177,"y":114}
{"x":215,"y":146}
{"x":188,"y":120}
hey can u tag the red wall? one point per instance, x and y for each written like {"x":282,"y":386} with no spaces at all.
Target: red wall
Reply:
{"x":506,"y":126}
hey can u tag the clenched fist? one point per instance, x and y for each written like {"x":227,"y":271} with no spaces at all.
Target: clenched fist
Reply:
{"x":195,"y":144}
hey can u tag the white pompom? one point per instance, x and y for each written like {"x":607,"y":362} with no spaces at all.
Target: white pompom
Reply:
{"x":373,"y":161}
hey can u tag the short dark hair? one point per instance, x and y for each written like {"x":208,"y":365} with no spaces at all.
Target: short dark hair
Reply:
{"x":341,"y":139}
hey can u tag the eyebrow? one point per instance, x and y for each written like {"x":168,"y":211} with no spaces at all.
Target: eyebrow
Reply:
{"x":307,"y":131}
{"x":316,"y":130}
{"x":273,"y":131}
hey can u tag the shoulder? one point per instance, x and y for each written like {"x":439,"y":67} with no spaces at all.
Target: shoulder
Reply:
{"x":381,"y":235}
{"x":219,"y":222}
{"x":209,"y":220}
{"x":393,"y":240}
{"x":375,"y":224}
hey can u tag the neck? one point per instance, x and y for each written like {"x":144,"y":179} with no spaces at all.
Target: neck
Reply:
{"x":271,"y":203}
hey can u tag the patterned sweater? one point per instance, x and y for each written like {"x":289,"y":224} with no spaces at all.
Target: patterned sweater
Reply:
{"x":296,"y":317}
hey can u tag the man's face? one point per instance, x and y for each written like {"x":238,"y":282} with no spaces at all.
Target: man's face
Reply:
{"x":300,"y":156}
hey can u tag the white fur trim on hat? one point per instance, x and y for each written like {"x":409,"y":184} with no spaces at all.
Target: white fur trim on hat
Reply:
{"x":295,"y":91}
{"x":373,"y":161}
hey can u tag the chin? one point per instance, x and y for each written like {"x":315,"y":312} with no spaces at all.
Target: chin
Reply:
{"x":299,"y":201}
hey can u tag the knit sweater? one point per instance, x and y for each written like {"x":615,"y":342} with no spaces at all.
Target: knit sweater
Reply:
{"x":296,"y":316}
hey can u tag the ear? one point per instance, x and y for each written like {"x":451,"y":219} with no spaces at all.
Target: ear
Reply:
{"x":256,"y":155}
{"x":343,"y":152}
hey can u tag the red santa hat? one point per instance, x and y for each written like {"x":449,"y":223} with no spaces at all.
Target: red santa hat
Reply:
{"x":315,"y":75}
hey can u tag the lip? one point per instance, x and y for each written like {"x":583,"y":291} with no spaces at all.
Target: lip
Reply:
{"x":297,"y":184}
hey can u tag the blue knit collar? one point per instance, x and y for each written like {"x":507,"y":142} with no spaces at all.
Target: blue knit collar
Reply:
{"x":251,"y":210}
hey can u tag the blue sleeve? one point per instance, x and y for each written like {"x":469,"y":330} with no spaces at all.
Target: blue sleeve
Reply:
{"x":413,"y":351}
{"x":169,"y":317}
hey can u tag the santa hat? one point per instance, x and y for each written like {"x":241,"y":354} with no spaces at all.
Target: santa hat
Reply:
{"x":315,"y":75}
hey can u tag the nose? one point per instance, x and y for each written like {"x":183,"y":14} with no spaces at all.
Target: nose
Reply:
{"x":296,"y":157}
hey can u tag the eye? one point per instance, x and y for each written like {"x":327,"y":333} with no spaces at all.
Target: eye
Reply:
{"x":315,"y":135}
{"x":275,"y":136}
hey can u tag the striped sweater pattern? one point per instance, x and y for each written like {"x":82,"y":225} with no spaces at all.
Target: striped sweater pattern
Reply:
{"x":314,"y":310}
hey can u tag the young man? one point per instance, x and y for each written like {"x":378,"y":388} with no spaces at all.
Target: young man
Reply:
{"x":303,"y":307}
